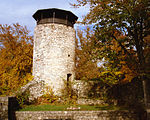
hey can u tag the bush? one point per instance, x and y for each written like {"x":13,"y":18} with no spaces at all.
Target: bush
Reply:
{"x":23,"y":98}
{"x":48,"y":97}
{"x":68,"y":94}
{"x":128,"y":94}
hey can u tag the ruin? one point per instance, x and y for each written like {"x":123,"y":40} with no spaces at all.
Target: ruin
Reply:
{"x":54,"y":49}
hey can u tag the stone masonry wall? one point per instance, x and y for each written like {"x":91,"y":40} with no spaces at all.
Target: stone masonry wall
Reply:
{"x":3,"y":108}
{"x":76,"y":115}
{"x":54,"y":55}
{"x":7,"y":107}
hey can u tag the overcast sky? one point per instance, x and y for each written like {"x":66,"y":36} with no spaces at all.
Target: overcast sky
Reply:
{"x":21,"y":11}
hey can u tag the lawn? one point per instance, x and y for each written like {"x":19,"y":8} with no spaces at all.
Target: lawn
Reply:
{"x":48,"y":107}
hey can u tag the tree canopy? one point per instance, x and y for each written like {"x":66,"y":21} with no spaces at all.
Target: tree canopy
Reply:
{"x":124,"y":23}
{"x":86,"y":66}
{"x":15,"y":58}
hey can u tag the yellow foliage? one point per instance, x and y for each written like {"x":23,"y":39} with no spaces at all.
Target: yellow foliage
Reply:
{"x":86,"y":66}
{"x":16,"y":58}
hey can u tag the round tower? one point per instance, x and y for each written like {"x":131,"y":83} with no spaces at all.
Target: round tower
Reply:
{"x":54,"y":47}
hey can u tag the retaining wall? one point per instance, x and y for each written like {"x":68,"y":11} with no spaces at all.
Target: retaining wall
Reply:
{"x":76,"y":115}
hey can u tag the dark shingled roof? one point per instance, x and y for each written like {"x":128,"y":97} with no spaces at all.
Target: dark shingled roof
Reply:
{"x":59,"y":13}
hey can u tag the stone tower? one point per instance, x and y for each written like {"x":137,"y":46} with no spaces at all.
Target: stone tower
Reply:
{"x":54,"y":47}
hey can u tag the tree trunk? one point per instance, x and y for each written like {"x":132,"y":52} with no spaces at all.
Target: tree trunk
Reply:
{"x":146,"y":98}
{"x":145,"y":93}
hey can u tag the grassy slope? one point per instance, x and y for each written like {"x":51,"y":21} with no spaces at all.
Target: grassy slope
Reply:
{"x":48,"y":107}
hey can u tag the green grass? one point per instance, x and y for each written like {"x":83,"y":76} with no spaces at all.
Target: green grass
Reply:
{"x":48,"y":107}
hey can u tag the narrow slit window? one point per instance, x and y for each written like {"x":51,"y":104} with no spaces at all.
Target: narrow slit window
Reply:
{"x":68,"y":79}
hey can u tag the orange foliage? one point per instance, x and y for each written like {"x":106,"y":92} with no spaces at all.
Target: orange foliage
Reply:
{"x":16,"y":58}
{"x":86,"y":67}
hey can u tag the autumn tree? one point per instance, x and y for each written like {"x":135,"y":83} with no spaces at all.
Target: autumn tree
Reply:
{"x":86,"y":66}
{"x":116,"y":62}
{"x":15,"y":58}
{"x":127,"y":18}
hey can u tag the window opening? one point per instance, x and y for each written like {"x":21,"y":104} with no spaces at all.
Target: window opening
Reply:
{"x":68,"y":79}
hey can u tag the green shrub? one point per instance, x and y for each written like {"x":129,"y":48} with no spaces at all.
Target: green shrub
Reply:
{"x":48,"y":97}
{"x":23,"y":98}
{"x":68,"y":94}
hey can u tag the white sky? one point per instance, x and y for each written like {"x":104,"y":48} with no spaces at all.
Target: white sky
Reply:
{"x":21,"y":11}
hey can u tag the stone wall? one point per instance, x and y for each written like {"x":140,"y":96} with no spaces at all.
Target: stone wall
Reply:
{"x":88,"y":89}
{"x":90,"y":102}
{"x":7,"y":107}
{"x":53,"y":55}
{"x":76,"y":115}
{"x":81,"y":87}
{"x":4,"y":108}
